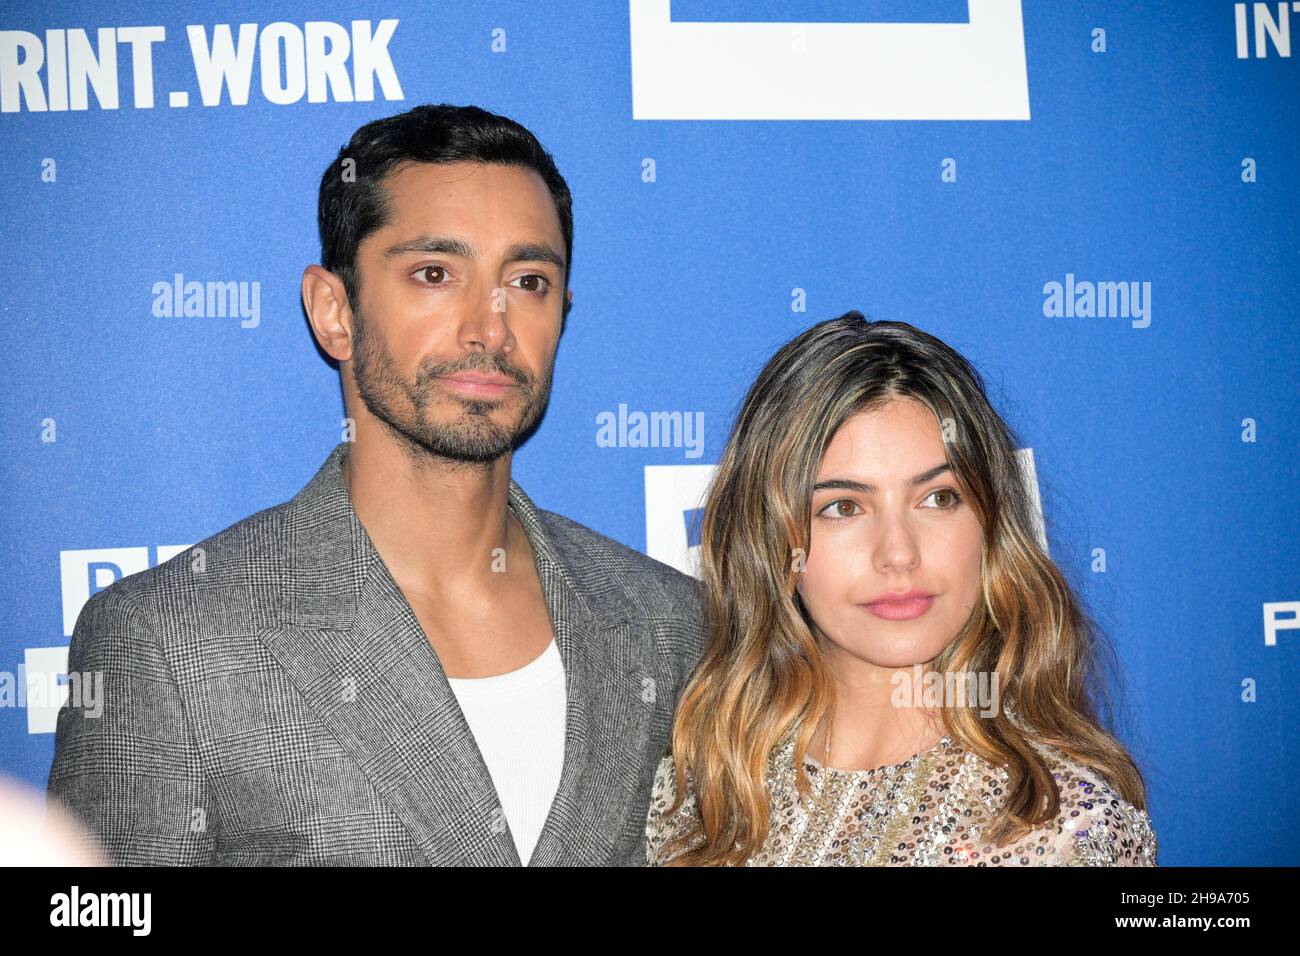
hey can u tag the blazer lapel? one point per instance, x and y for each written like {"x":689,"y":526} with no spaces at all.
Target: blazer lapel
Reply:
{"x":351,"y":643}
{"x":607,"y":714}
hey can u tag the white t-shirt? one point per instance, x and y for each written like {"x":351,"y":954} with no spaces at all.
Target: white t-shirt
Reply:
{"x":518,"y":723}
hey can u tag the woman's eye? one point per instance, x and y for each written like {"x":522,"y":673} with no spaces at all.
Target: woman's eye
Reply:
{"x":537,"y":284}
{"x":841,"y":508}
{"x":442,"y":273}
{"x":953,"y":496}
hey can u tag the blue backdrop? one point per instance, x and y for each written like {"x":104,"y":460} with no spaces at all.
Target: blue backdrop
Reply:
{"x":741,"y":169}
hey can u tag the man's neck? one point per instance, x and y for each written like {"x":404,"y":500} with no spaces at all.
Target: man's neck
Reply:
{"x":436,"y":524}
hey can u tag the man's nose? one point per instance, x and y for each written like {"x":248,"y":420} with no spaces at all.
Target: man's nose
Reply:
{"x":485,"y":324}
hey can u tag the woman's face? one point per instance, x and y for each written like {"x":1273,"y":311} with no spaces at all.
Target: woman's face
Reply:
{"x":888,"y":516}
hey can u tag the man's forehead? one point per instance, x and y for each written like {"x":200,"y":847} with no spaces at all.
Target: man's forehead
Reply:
{"x":409,"y":170}
{"x":419,"y":194}
{"x":436,"y":181}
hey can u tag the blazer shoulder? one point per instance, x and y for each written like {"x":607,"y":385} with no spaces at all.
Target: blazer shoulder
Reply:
{"x":228,"y":570}
{"x":649,"y":586}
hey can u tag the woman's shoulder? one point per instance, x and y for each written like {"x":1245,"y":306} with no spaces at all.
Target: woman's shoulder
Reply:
{"x":1094,"y":825}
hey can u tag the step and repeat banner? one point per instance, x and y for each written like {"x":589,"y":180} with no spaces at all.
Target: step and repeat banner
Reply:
{"x":1095,"y":202}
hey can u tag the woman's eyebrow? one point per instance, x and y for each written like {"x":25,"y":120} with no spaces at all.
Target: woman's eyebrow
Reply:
{"x":850,"y":484}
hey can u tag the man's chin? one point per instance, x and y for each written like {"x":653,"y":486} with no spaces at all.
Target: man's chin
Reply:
{"x":470,"y":443}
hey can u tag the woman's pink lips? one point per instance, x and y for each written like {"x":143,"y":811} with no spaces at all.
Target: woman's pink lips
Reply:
{"x":900,"y":610}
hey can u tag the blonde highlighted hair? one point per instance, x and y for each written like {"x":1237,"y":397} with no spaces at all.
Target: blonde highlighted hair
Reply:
{"x":762,"y":678}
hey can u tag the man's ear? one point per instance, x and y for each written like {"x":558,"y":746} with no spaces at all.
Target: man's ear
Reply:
{"x":326,"y":302}
{"x":564,"y":313}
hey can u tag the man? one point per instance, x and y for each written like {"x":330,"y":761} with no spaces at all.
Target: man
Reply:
{"x":409,"y":662}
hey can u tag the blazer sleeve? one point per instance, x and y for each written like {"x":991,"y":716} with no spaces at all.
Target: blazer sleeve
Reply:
{"x":125,"y":763}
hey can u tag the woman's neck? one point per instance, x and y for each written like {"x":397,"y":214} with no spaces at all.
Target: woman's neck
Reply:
{"x":880,"y":718}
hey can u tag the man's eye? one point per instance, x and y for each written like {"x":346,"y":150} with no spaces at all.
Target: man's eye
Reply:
{"x":441,"y":272}
{"x":534,"y":283}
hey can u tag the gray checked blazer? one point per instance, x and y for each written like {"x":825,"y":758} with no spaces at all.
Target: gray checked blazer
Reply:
{"x":269,"y":698}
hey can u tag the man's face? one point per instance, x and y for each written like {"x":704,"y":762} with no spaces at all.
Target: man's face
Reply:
{"x":460,"y":307}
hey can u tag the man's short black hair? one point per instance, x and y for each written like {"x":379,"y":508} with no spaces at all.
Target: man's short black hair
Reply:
{"x":353,"y":203}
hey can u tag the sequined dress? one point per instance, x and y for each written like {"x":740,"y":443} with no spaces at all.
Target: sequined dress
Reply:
{"x":928,"y":810}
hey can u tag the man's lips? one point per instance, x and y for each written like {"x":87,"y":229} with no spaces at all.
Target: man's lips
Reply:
{"x":469,"y":383}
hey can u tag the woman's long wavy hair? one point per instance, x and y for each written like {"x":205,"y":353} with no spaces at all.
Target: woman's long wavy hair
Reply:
{"x":762,"y":676}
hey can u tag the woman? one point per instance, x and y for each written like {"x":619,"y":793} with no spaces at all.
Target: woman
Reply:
{"x":896,"y":672}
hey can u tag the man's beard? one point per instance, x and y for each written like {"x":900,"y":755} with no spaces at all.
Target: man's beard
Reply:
{"x":404,"y":406}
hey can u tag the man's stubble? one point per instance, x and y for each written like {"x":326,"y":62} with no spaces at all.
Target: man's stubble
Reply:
{"x":474,"y":438}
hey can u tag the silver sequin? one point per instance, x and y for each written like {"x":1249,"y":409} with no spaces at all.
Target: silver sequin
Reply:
{"x":1094,"y":826}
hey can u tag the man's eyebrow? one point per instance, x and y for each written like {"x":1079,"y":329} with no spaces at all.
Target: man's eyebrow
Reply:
{"x":452,"y":246}
{"x":848,"y":484}
{"x":445,"y":245}
{"x":534,"y":252}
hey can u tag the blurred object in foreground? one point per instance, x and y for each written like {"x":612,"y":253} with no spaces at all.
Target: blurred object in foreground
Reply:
{"x":36,"y":832}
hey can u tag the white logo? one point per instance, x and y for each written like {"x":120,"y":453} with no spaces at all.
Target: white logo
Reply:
{"x":671,"y":492}
{"x":83,"y":573}
{"x":1268,"y":31}
{"x":830,"y":71}
{"x":293,"y":62}
{"x":1274,"y":622}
